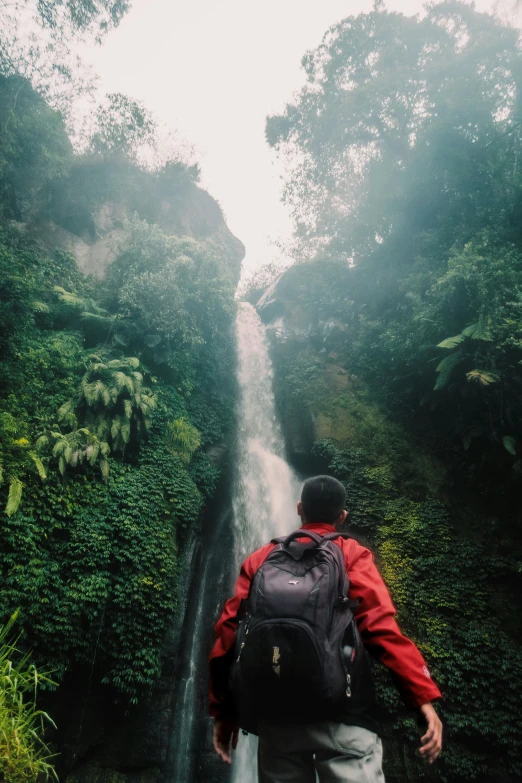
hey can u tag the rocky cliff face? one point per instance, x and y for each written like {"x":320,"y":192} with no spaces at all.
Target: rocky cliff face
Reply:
{"x":86,"y":214}
{"x":318,"y":397}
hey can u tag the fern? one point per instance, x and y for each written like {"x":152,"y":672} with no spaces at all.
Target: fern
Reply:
{"x":105,"y":469}
{"x":14,"y":497}
{"x":59,"y":446}
{"x":125,"y":432}
{"x":115,"y":428}
{"x":68,"y":452}
{"x":183,"y":439}
{"x":477,"y":331}
{"x":40,"y":307}
{"x":92,"y":452}
{"x":42,"y":443}
{"x":112,"y":405}
{"x":482,"y":377}
{"x":39,"y":465}
{"x":119,"y":380}
{"x":445,"y":369}
{"x":66,"y":414}
{"x":452,"y":342}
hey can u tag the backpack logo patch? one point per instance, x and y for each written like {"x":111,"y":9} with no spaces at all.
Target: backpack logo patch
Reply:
{"x":293,"y":582}
{"x":275,"y":661}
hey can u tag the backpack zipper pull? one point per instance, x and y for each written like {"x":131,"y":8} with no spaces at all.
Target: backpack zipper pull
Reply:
{"x":348,"y":686}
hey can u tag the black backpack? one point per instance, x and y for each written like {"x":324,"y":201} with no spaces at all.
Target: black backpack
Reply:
{"x":299,"y":656}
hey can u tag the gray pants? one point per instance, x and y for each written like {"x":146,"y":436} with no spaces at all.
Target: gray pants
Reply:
{"x":336,"y":752}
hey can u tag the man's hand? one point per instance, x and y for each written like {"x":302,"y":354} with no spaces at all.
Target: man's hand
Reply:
{"x":431,"y":743}
{"x":225,"y":735}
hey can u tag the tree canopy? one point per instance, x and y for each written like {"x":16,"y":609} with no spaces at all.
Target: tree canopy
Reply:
{"x":402,"y":153}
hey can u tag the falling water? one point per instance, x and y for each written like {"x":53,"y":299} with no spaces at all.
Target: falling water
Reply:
{"x":266,"y":489}
{"x":188,"y":687}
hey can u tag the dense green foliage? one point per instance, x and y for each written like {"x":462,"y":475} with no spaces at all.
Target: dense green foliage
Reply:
{"x":111,"y":393}
{"x":33,"y":146}
{"x":92,"y":560}
{"x":402,"y":155}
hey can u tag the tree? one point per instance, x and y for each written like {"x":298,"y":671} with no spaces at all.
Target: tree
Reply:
{"x":385,"y":91}
{"x":36,"y":39}
{"x":34,"y":146}
{"x":123,"y":126}
{"x":403,"y":160}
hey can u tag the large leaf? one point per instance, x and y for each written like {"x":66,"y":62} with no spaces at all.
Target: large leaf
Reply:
{"x":482,"y":377}
{"x":510,"y":444}
{"x":121,"y":339}
{"x":152,"y":340}
{"x":14,"y":497}
{"x":452,"y":342}
{"x":183,"y":439}
{"x":446,"y":367}
{"x":105,"y":469}
{"x":39,"y":465}
{"x":477,"y":331}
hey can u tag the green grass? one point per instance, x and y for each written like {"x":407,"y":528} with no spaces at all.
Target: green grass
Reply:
{"x":24,"y":756}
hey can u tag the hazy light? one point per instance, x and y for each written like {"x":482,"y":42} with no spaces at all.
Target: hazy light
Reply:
{"x":214,"y":70}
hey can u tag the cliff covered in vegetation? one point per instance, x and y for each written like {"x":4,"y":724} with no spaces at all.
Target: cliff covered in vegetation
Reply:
{"x":397,"y":345}
{"x":116,"y":400}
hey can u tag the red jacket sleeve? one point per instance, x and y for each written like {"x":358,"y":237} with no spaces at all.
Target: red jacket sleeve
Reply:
{"x":225,"y":630}
{"x":375,"y":617}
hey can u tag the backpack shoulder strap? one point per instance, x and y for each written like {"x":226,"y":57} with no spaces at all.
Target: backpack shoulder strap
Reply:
{"x":333,"y":536}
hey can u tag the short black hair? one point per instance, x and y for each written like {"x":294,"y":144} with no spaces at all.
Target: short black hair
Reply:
{"x":323,"y":499}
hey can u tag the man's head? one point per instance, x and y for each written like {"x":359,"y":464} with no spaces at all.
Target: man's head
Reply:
{"x":322,"y":500}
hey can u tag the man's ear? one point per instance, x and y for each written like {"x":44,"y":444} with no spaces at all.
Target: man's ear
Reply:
{"x":299,"y":509}
{"x":340,"y":519}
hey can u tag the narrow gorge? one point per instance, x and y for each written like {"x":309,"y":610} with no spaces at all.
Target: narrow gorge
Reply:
{"x":163,"y":395}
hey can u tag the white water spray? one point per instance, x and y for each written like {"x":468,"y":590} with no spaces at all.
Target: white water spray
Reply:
{"x":266,"y":489}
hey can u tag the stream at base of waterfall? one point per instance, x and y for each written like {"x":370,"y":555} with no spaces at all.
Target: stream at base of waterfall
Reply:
{"x":266,"y":490}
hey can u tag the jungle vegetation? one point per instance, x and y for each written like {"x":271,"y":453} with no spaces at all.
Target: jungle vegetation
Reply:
{"x":111,"y":392}
{"x":403,"y":175}
{"x":402,"y":154}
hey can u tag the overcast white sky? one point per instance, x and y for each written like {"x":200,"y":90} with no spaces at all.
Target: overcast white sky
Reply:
{"x":213,"y":70}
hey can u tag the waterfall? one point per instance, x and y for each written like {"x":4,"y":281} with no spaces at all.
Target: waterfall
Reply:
{"x":207,"y":575}
{"x":266,"y":489}
{"x":265,"y":492}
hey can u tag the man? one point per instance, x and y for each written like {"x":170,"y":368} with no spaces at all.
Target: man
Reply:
{"x":347,"y":747}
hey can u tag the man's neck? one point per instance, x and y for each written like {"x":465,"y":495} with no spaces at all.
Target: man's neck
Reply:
{"x":327,"y":525}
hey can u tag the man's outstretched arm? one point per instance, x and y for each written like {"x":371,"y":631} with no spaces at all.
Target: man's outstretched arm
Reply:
{"x":375,"y":617}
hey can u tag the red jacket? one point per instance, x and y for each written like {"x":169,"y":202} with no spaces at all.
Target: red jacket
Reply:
{"x":375,"y":617}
